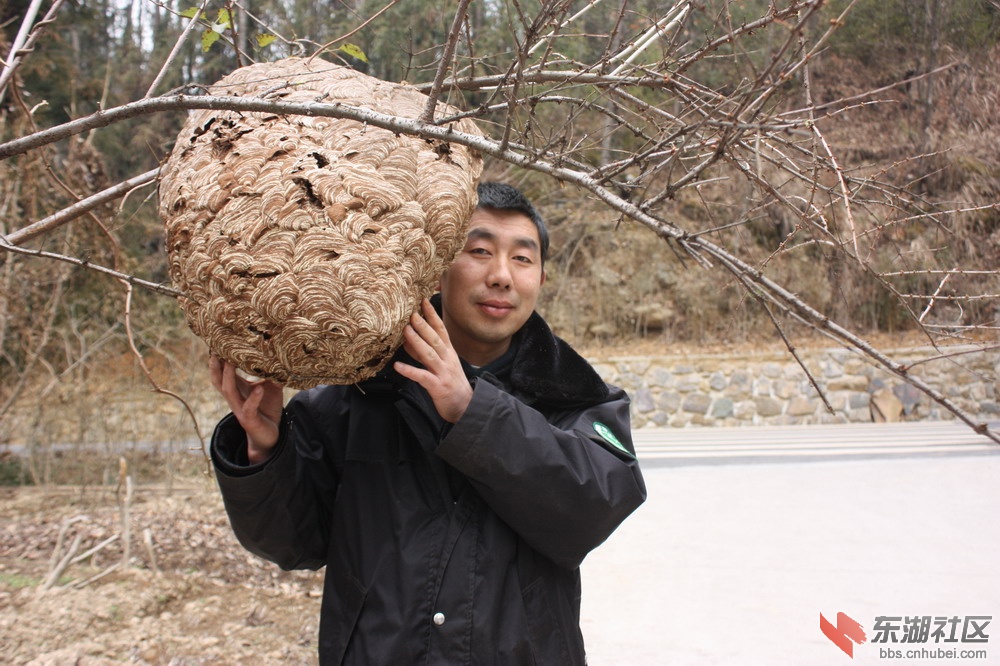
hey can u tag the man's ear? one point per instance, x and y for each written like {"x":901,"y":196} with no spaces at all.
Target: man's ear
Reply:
{"x":543,"y":278}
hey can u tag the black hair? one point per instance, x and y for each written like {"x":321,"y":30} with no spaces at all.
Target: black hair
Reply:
{"x":500,"y":196}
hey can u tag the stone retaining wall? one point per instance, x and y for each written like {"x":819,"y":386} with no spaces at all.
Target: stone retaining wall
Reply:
{"x":677,"y":391}
{"x":772,"y":389}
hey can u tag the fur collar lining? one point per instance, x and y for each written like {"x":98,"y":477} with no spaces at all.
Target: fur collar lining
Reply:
{"x":552,"y":372}
{"x":546,"y":370}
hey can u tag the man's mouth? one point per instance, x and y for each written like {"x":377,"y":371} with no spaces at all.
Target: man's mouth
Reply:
{"x":496,"y":308}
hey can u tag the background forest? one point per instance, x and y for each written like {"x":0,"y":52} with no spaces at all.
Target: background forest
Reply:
{"x":847,"y":150}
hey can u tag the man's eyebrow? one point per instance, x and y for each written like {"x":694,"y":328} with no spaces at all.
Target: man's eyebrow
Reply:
{"x":481,"y":234}
{"x":485,"y":234}
{"x":527,"y":243}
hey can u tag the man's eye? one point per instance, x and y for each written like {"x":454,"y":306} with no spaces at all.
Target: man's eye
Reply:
{"x":478,"y":250}
{"x":526,"y":260}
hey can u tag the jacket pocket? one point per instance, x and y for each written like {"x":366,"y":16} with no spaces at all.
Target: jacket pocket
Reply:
{"x":343,"y":599}
{"x":544,"y":631}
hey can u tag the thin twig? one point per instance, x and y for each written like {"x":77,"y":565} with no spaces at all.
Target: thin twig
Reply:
{"x":788,"y":345}
{"x":125,"y":506}
{"x":60,"y":537}
{"x":96,"y":549}
{"x":670,"y":22}
{"x":359,"y":28}
{"x":147,"y":541}
{"x":81,"y":207}
{"x":930,"y":303}
{"x":60,"y":567}
{"x":175,"y":51}
{"x":24,"y":44}
{"x":449,"y":51}
{"x":96,"y":577}
{"x":83,"y":263}
{"x":547,"y":38}
{"x":149,"y":375}
{"x":977,"y":349}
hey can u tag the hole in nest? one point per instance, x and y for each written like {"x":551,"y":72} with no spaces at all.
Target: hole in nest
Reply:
{"x":251,"y":274}
{"x":443,"y":151}
{"x":320,"y":160}
{"x":220,"y":147}
{"x":263,"y":334}
{"x":310,"y":194}
{"x":375,"y":361}
{"x":201,"y":130}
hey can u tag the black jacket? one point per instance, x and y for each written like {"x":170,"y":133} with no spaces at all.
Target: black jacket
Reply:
{"x":443,"y":544}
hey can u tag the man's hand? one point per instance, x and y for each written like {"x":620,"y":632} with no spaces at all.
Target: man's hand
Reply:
{"x":257,"y":406}
{"x":426,"y":340}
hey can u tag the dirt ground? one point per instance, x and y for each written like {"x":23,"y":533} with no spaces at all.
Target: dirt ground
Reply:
{"x":189,"y":595}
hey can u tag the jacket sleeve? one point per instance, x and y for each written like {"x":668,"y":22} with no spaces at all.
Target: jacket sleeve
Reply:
{"x":276,"y":508}
{"x":563,"y":485}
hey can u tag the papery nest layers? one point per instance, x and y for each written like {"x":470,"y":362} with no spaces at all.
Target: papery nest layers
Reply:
{"x":303,"y":244}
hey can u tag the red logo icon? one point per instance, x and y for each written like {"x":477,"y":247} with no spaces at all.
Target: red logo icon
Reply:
{"x":845,"y":634}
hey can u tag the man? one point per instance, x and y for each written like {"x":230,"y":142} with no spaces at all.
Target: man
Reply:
{"x":452,"y":497}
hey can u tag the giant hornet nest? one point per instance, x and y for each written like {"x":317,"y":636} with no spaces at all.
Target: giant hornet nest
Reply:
{"x":302,"y":245}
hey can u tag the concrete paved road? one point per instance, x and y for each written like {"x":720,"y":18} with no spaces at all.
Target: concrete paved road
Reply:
{"x":750,"y":534}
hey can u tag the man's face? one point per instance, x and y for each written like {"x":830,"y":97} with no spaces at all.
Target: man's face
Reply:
{"x":492,"y":287}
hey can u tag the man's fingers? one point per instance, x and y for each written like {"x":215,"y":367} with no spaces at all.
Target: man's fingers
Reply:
{"x":428,"y":333}
{"x":233,"y":389}
{"x":424,"y":329}
{"x":228,"y":377}
{"x":426,"y":339}
{"x":253,"y":400}
{"x":215,"y":371}
{"x":257,"y":406}
{"x":409,"y":371}
{"x":421,"y":342}
{"x":435,"y":321}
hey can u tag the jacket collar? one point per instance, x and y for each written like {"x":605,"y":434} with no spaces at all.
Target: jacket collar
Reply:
{"x":546,"y":370}
{"x":550,"y":371}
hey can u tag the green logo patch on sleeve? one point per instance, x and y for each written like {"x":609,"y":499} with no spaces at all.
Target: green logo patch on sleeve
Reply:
{"x":608,"y":436}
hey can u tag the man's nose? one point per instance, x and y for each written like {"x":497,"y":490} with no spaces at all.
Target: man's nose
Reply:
{"x":499,"y":275}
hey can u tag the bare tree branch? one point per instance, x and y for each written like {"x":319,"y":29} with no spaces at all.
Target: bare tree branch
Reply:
{"x":446,"y":61}
{"x":25,"y":40}
{"x":83,"y":206}
{"x":83,"y":263}
{"x":654,"y":114}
